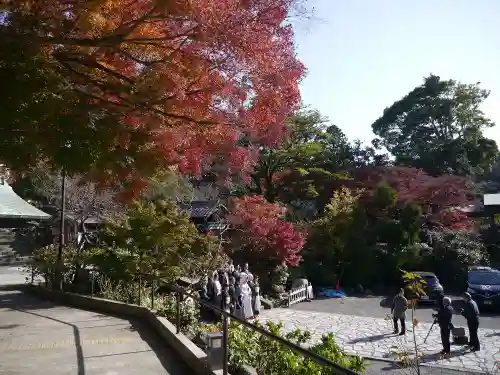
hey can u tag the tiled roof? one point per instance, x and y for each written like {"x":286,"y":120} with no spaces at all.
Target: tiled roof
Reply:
{"x":12,"y":206}
{"x":199,"y":209}
{"x":216,"y":226}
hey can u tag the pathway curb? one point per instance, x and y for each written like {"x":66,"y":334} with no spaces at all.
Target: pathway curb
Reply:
{"x":192,"y":355}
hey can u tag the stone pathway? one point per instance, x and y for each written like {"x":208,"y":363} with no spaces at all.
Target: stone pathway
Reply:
{"x":373,"y":338}
{"x":38,"y":337}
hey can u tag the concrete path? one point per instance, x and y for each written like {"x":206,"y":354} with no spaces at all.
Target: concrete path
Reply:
{"x":38,"y":337}
{"x":11,"y":275}
{"x":373,"y":338}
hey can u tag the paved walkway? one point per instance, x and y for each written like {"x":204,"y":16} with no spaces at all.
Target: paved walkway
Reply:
{"x":373,"y":338}
{"x":38,"y":337}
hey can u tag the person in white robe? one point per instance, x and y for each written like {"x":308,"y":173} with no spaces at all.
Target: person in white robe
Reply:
{"x":246,"y":301}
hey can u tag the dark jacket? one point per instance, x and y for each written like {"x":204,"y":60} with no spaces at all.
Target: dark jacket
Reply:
{"x":202,"y":291}
{"x":444,"y":317}
{"x":399,"y":307}
{"x":471,"y":311}
{"x":226,"y":299}
{"x":232,"y":293}
{"x":440,"y":301}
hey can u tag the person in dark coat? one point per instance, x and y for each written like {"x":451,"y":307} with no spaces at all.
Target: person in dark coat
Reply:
{"x":202,"y":292}
{"x":210,"y":288}
{"x":439,"y":303}
{"x":226,"y":299}
{"x":444,"y":316}
{"x":398,"y":310}
{"x":256,"y":305}
{"x":471,"y":314}
{"x":238,"y":304}
{"x":223,"y":278}
{"x":237,"y":271}
{"x":230,"y":268}
{"x":232,"y":293}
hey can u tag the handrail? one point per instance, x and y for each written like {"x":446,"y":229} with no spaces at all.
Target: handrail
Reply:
{"x":297,"y":348}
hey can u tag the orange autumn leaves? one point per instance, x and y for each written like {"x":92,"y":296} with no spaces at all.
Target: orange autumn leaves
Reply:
{"x":183,"y":79}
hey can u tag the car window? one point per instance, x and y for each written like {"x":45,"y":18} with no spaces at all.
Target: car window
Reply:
{"x":430,"y":280}
{"x":484,"y":278}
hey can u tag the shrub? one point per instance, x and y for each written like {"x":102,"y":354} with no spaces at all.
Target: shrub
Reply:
{"x":44,"y":263}
{"x":248,"y":347}
{"x":190,"y":313}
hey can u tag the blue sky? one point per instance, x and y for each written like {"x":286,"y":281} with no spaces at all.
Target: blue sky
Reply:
{"x":362,"y":55}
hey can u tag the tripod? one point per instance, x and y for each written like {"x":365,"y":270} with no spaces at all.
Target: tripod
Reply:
{"x":430,"y":329}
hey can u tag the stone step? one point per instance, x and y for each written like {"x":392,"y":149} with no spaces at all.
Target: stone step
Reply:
{"x":21,"y":261}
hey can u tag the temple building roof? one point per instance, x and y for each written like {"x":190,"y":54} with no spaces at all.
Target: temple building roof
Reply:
{"x":12,"y":206}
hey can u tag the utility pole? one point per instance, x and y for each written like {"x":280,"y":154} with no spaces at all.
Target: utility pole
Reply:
{"x":59,"y":268}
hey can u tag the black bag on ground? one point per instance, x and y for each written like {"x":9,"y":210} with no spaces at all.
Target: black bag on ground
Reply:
{"x":459,"y":337}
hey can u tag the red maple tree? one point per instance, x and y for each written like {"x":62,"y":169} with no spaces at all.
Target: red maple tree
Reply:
{"x":263,"y":228}
{"x":440,"y":197}
{"x":171,"y":82}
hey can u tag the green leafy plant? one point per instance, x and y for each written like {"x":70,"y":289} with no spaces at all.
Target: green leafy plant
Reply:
{"x":44,"y":263}
{"x":155,"y":239}
{"x":268,"y":356}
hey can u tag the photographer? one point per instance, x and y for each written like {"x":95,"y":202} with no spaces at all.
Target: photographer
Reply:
{"x":443,"y":317}
{"x":471,"y":313}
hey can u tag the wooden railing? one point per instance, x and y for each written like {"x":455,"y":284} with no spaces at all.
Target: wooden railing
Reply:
{"x":298,"y":295}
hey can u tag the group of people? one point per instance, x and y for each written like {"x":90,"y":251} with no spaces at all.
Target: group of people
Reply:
{"x":443,"y":318}
{"x":233,"y":289}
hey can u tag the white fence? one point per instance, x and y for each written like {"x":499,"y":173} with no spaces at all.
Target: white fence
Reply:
{"x":299,"y":294}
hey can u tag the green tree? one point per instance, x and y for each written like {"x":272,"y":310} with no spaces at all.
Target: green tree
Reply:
{"x":155,"y":238}
{"x":312,"y":144}
{"x":168,"y":184}
{"x":390,"y":234}
{"x":325,"y":253}
{"x":438,"y":126}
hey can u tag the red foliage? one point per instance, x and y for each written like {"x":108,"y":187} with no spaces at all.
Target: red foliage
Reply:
{"x":455,"y":220}
{"x":264,"y":228}
{"x":438,"y":196}
{"x":435,"y":194}
{"x":190,"y":76}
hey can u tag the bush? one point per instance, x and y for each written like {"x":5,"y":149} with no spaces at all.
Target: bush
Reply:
{"x":44,"y":263}
{"x":119,"y":290}
{"x":269,"y":357}
{"x":190,"y":313}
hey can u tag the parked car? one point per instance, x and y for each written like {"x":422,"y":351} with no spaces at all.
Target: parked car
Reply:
{"x":431,"y":286}
{"x":483,"y":284}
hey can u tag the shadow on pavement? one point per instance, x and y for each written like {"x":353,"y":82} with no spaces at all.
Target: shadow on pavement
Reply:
{"x":11,"y":326}
{"x":492,"y":334}
{"x":31,"y":305}
{"x":20,"y":301}
{"x":371,"y":338}
{"x":168,"y":358}
{"x":434,"y":357}
{"x":12,"y":287}
{"x":76,"y":334}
